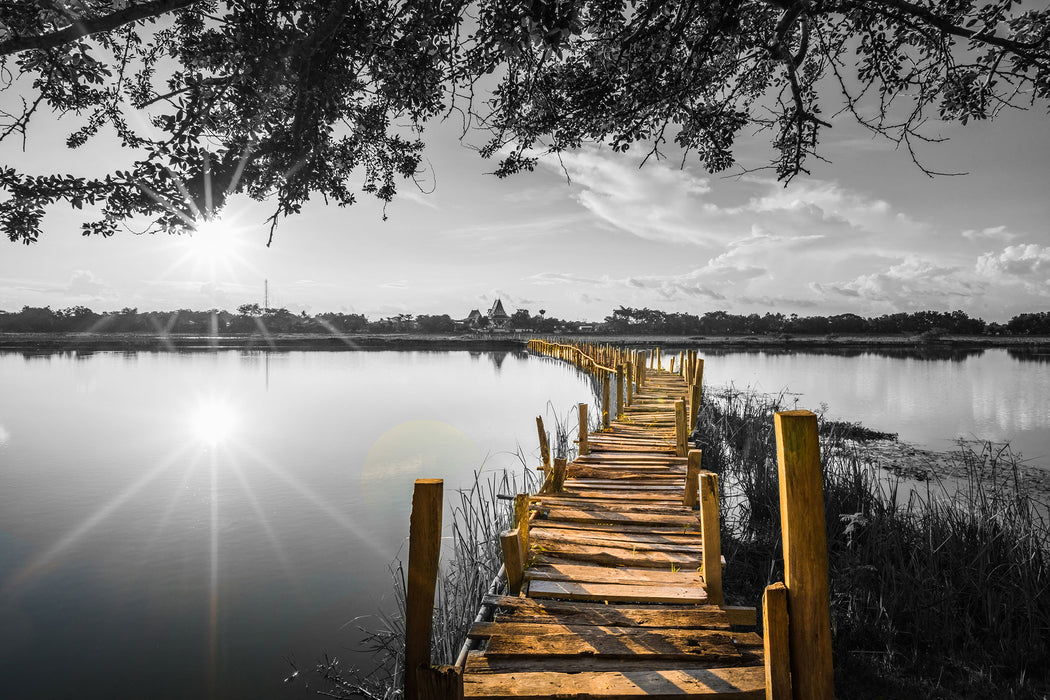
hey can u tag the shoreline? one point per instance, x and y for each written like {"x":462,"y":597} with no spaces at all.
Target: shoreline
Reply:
{"x":44,"y":342}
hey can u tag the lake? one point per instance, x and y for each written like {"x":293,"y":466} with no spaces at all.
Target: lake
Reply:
{"x":179,"y":525}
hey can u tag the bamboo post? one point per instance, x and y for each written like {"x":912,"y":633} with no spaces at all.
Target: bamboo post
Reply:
{"x":692,"y":479}
{"x":513,"y":559}
{"x":775,"y":642}
{"x":619,"y":390}
{"x":805,"y":554}
{"x":629,"y":373}
{"x":585,"y":448}
{"x":440,"y":683}
{"x":545,"y":449}
{"x":711,"y":537}
{"x":424,"y":548}
{"x":680,"y":434}
{"x":605,"y":400}
{"x":558,"y":477}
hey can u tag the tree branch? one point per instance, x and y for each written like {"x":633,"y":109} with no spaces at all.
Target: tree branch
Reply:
{"x":87,"y":27}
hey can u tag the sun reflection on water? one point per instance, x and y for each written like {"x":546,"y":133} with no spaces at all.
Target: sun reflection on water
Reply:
{"x":213,"y":421}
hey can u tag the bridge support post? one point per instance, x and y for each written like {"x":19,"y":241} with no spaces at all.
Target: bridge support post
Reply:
{"x":424,"y":549}
{"x":692,"y":479}
{"x":775,"y":642}
{"x":619,"y":390}
{"x":681,"y":435}
{"x":584,"y":429}
{"x":805,"y":554}
{"x":605,"y":400}
{"x":513,"y":559}
{"x":545,"y":449}
{"x":711,"y":535}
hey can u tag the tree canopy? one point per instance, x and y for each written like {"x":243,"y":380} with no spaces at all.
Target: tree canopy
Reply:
{"x":283,"y":100}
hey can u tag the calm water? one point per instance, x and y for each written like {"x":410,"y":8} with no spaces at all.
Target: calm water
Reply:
{"x":178,"y":525}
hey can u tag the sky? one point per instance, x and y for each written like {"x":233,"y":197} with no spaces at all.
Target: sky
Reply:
{"x":868,"y":233}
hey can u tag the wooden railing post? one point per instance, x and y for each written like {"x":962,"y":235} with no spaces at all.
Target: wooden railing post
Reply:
{"x":711,"y":536}
{"x":643,"y":362}
{"x":805,"y":554}
{"x":513,"y":559}
{"x":440,"y":683}
{"x":775,"y":642}
{"x":680,"y":434}
{"x":424,"y":549}
{"x":619,"y":390}
{"x":605,"y":401}
{"x":692,"y":479}
{"x":558,"y":476}
{"x":629,"y":374}
{"x":698,"y":374}
{"x":585,"y":448}
{"x":545,"y":448}
{"x":694,"y":405}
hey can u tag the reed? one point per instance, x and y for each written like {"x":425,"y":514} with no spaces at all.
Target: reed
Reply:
{"x":946,"y":590}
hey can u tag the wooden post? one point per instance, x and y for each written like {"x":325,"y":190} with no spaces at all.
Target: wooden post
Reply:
{"x":692,"y":479}
{"x":605,"y":400}
{"x":545,"y":448}
{"x":513,"y":560}
{"x":694,"y":405}
{"x":521,"y":519}
{"x":680,"y":434}
{"x":775,"y":641}
{"x":584,"y":429}
{"x":643,"y":362}
{"x":558,"y":477}
{"x":671,"y":370}
{"x":698,"y":374}
{"x":629,"y":373}
{"x":805,"y":554}
{"x":619,"y":390}
{"x":424,"y":548}
{"x":440,"y":683}
{"x":711,"y":536}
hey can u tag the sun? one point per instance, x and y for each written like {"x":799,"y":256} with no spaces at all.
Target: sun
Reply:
{"x":213,"y":241}
{"x":213,"y":421}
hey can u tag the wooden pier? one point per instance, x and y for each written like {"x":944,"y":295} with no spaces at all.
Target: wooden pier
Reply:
{"x":614,"y":570}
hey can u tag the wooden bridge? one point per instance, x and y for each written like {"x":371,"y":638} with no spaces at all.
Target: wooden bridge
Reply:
{"x":613,"y":571}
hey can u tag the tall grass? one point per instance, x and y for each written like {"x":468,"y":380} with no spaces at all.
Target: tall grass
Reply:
{"x":949,"y":586}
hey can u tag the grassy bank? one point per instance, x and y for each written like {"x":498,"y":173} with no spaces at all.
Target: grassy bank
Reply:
{"x":939,"y":593}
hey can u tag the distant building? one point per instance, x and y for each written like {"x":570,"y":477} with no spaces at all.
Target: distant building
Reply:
{"x":498,"y":318}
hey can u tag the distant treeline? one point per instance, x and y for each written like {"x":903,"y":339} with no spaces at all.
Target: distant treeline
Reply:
{"x":251,"y":318}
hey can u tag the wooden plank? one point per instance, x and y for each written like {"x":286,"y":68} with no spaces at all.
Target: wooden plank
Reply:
{"x":618,"y":527}
{"x":581,"y":515}
{"x":611,"y":506}
{"x":584,"y":613}
{"x":678,"y":639}
{"x":553,"y":539}
{"x":477,"y":662}
{"x":687,"y":539}
{"x":621,"y":555}
{"x":618,"y":642}
{"x":620,"y":493}
{"x":615,"y":592}
{"x":740,"y":615}
{"x":738,"y":683}
{"x":581,"y":572}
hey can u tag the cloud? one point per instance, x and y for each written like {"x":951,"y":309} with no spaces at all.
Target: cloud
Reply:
{"x":1026,"y":263}
{"x":85,"y":283}
{"x":397,"y":284}
{"x":992,"y":233}
{"x":914,"y":283}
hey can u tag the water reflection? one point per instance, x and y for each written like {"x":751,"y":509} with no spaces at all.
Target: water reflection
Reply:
{"x":1029,"y":354}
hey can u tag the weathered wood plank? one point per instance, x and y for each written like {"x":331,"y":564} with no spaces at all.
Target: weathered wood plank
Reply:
{"x":581,"y":515}
{"x":616,"y":592}
{"x":512,"y":608}
{"x":582,"y":572}
{"x":550,"y":539}
{"x":689,"y":539}
{"x":734,"y":682}
{"x":612,"y":555}
{"x":477,"y":662}
{"x":618,"y":642}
